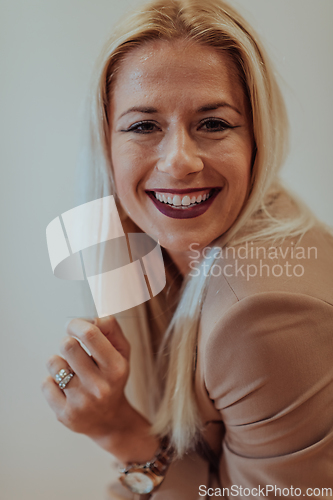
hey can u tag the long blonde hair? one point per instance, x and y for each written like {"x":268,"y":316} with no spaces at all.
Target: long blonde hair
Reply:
{"x":216,"y":24}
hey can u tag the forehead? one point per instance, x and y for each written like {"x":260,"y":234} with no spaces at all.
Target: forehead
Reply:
{"x":178,"y":70}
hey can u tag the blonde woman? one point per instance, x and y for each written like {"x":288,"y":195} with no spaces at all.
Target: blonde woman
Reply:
{"x":228,"y":389}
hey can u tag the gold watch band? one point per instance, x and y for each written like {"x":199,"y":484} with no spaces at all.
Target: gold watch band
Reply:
{"x":145,"y":478}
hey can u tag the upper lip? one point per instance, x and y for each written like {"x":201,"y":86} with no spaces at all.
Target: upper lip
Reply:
{"x":182,"y":191}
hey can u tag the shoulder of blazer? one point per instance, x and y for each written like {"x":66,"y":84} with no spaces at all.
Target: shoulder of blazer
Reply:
{"x":300,"y":267}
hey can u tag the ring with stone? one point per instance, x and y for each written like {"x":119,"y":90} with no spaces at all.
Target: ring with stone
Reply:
{"x":63,"y":377}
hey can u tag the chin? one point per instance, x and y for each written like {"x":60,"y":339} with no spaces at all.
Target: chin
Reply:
{"x":183,"y":244}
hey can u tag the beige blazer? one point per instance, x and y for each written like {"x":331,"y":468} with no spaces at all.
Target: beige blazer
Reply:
{"x":264,"y":375}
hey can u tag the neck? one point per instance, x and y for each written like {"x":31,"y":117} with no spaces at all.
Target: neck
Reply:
{"x":181,"y":260}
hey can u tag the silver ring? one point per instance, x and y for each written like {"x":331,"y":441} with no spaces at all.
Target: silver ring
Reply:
{"x":63,"y":377}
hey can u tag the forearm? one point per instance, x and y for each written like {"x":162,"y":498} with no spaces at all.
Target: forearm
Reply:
{"x":131,"y":440}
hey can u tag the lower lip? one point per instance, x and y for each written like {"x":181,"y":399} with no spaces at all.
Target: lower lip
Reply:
{"x":183,"y":212}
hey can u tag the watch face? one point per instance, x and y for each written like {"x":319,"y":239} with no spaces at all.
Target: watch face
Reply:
{"x":139,"y":482}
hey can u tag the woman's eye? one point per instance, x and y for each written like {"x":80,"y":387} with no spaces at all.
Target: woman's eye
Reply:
{"x":214,"y":125}
{"x":143,"y":127}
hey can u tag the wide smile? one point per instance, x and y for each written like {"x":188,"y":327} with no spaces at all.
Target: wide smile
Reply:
{"x":183,"y":203}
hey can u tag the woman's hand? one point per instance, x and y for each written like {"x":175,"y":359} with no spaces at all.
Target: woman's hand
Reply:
{"x":93,"y":403}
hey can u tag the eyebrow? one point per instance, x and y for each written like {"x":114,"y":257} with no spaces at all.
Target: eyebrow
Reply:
{"x":139,"y":109}
{"x":209,"y":107}
{"x":216,"y":105}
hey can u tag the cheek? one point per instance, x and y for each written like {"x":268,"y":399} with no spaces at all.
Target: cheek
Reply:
{"x":130,"y":166}
{"x":124,"y":171}
{"x":237,"y":170}
{"x":241,"y":176}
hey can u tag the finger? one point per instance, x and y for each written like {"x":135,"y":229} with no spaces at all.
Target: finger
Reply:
{"x":89,"y":320}
{"x":55,"y":364}
{"x":82,"y":364}
{"x":91,"y":336}
{"x":53,"y":395}
{"x":111,"y":329}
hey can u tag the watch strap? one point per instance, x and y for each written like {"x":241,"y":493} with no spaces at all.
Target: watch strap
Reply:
{"x":155,"y":468}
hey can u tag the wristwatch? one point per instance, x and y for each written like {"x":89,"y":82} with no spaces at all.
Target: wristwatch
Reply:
{"x":144,"y":478}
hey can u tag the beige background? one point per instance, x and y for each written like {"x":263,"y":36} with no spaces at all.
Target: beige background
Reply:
{"x":47,"y":51}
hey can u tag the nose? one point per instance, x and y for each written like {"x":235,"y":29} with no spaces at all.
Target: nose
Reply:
{"x":179,"y":155}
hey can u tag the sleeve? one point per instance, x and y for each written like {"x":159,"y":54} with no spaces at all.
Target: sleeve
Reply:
{"x":183,"y":479}
{"x":268,"y":368}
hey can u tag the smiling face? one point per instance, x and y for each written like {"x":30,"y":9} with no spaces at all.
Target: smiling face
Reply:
{"x":181,"y":142}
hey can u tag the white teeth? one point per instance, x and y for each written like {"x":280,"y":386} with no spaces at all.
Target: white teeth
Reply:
{"x":176,"y":200}
{"x":186,"y":201}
